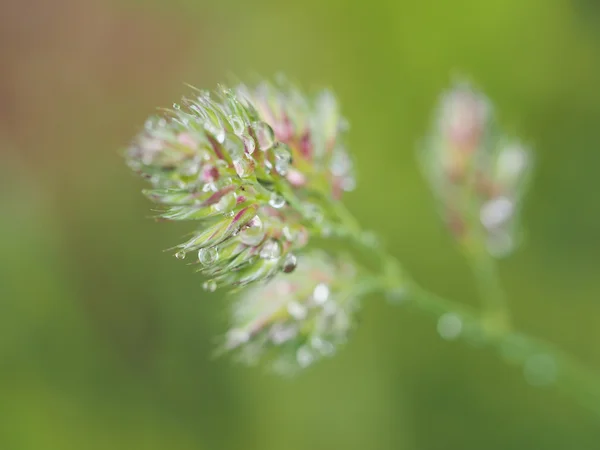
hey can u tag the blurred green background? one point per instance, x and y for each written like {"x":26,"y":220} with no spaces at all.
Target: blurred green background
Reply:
{"x":106,"y":342}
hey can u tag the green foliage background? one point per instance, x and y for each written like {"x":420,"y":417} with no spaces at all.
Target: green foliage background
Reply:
{"x":106,"y":342}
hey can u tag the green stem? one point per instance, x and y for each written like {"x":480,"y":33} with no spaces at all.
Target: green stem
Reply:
{"x":543,"y":364}
{"x":496,"y":312}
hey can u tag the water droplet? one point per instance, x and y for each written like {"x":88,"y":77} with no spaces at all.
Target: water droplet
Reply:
{"x":321,"y":293}
{"x":283,"y":158}
{"x":210,"y":286}
{"x":190,"y":167}
{"x":150,"y":124}
{"x":236,"y":337}
{"x":288,"y":233}
{"x":270,"y":249}
{"x":496,"y":212}
{"x":322,"y":346}
{"x":330,"y":309}
{"x":268,"y":166}
{"x":264,"y":135}
{"x":290,"y":263}
{"x":326,"y":231}
{"x":209,"y":187}
{"x":224,"y":90}
{"x":243,"y":167}
{"x":216,"y":130}
{"x":340,"y":163}
{"x":176,"y":106}
{"x":348,"y":183}
{"x":313,"y":212}
{"x":449,"y":326}
{"x":225,"y":203}
{"x":180,"y":255}
{"x":281,"y":333}
{"x":134,"y":165}
{"x":237,"y":124}
{"x":296,"y":310}
{"x":208,"y":256}
{"x":512,"y":162}
{"x":253,"y":233}
{"x":249,"y":143}
{"x":304,"y":357}
{"x":234,"y":146}
{"x":204,"y":155}
{"x":276,"y":201}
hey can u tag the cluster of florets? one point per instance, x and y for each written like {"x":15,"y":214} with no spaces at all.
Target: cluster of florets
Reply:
{"x":256,"y":168}
{"x":477,"y":173}
{"x":295,"y":320}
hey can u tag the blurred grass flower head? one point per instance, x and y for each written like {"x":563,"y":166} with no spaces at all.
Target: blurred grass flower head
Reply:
{"x":295,"y":320}
{"x":477,"y":173}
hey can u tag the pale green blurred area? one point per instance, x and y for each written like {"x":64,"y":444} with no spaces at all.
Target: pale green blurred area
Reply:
{"x":106,"y":342}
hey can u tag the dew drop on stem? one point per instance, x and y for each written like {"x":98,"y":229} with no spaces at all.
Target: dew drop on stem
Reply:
{"x":208,"y":256}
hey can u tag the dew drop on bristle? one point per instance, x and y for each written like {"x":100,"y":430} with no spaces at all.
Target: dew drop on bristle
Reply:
{"x":254,"y":232}
{"x":290,"y":263}
{"x":218,"y":132}
{"x":242,"y":167}
{"x":234,"y":146}
{"x":249,"y":143}
{"x":210,"y":285}
{"x":340,"y":163}
{"x":280,"y":333}
{"x":289,"y":234}
{"x":324,"y":347}
{"x":190,"y":168}
{"x":348,"y":183}
{"x":236,"y":337}
{"x":150,"y":124}
{"x":450,"y":326}
{"x":321,"y":293}
{"x":283,"y":158}
{"x":512,"y":162}
{"x":271,"y":249}
{"x":296,"y":310}
{"x":225,"y":203}
{"x":209,"y":187}
{"x":264,"y":135}
{"x":496,"y":212}
{"x":237,"y":124}
{"x":304,"y":356}
{"x":208,"y":256}
{"x":176,"y":106}
{"x":314,"y":213}
{"x":180,"y":255}
{"x":276,"y":201}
